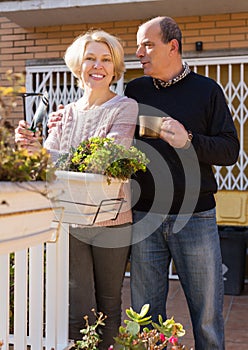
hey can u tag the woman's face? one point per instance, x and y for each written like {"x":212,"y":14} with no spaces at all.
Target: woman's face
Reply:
{"x":97,"y":66}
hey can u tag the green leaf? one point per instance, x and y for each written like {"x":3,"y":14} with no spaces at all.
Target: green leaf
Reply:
{"x":132,"y":314}
{"x":145,"y":321}
{"x":133,"y":328}
{"x":144,"y":310}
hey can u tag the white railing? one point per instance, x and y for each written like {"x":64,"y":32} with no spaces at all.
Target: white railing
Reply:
{"x":34,"y":300}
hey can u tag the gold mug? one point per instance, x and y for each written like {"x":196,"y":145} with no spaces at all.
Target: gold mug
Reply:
{"x":149,"y":126}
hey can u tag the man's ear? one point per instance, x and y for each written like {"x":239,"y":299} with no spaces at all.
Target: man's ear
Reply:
{"x":174,"y":45}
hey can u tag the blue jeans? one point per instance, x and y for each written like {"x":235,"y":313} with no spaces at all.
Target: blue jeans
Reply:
{"x":195,"y":250}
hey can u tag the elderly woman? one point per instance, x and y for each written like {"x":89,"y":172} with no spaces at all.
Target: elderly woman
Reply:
{"x":98,"y":255}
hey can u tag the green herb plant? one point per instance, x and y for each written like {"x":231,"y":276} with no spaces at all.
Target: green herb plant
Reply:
{"x":104,"y":156}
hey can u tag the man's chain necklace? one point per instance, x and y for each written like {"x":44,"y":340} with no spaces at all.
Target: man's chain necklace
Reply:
{"x":158,"y":83}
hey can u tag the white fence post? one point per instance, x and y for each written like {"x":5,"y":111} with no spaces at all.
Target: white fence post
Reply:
{"x":20,"y":300}
{"x":4,"y":300}
{"x":36,"y":271}
{"x":51,"y":294}
{"x":62,"y":286}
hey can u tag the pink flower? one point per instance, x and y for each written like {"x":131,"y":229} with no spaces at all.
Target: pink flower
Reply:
{"x":162,"y":337}
{"x":173,"y":340}
{"x":111,"y":347}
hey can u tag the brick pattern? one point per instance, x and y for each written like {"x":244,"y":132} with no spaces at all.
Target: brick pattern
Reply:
{"x":18,"y":44}
{"x":225,"y":31}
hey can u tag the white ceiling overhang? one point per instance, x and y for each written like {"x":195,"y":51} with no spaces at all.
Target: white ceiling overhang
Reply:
{"x":36,"y":13}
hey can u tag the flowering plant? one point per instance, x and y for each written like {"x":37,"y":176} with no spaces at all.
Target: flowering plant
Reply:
{"x":158,"y":336}
{"x":8,"y":93}
{"x":91,"y":338}
{"x":17,"y":164}
{"x":135,"y":335}
{"x":104,"y":156}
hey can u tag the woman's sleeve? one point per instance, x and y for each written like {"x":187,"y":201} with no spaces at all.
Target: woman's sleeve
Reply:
{"x":54,"y":137}
{"x":53,"y":141}
{"x":123,"y":127}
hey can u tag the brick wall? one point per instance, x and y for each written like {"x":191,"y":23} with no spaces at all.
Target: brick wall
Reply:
{"x":225,"y":31}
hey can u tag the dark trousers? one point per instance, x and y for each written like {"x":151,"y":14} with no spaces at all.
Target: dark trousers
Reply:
{"x":95,"y":281}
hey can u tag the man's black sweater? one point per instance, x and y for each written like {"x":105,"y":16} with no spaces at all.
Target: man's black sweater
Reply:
{"x":180,"y":180}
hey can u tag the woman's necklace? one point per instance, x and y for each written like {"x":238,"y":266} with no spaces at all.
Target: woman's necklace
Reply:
{"x":158,"y":83}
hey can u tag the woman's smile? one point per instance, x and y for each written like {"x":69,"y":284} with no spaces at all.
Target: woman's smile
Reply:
{"x":97,"y":64}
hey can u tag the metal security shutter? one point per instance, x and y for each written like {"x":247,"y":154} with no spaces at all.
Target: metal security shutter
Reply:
{"x":232,"y":75}
{"x":60,"y":84}
{"x":230,"y":72}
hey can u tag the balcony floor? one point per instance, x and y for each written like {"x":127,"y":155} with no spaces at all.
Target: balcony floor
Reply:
{"x":235,"y":314}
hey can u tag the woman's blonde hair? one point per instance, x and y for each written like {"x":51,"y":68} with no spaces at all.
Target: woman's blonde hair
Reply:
{"x":75,"y":52}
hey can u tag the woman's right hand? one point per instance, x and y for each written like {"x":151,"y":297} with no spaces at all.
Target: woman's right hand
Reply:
{"x":55,"y":118}
{"x":27,"y":138}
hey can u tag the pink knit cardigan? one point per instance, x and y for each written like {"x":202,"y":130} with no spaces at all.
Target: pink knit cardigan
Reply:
{"x":115,"y":118}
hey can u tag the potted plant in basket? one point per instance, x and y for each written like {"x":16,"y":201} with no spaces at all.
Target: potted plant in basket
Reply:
{"x":26,"y":213}
{"x":92,"y":175}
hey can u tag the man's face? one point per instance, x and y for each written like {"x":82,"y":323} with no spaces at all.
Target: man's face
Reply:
{"x":154,"y":55}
